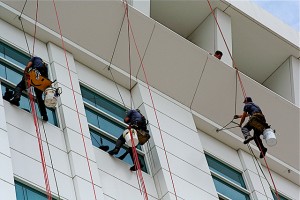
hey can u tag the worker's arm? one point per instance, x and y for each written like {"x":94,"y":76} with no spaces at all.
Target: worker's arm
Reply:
{"x":126,"y":120}
{"x":28,"y":67}
{"x":243,"y":116}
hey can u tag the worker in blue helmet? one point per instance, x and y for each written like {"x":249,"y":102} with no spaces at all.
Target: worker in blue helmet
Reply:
{"x":257,"y":122}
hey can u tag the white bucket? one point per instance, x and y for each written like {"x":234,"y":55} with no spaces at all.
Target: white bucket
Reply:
{"x":50,"y":97}
{"x":269,"y":136}
{"x":126,"y":135}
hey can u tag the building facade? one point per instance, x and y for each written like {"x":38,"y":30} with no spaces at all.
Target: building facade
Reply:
{"x":112,"y":64}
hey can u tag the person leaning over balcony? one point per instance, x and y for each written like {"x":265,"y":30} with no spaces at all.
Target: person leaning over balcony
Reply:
{"x":257,"y":122}
{"x":38,"y":64}
{"x":218,"y":54}
{"x":137,"y":121}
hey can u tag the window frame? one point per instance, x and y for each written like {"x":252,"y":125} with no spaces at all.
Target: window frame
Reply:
{"x":227,"y":181}
{"x":280,"y":195}
{"x":32,"y":188}
{"x":114,"y":119}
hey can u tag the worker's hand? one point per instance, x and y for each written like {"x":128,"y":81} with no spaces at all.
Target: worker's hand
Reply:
{"x":236,"y":116}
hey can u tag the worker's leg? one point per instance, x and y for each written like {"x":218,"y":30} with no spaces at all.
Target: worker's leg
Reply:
{"x":18,"y":92}
{"x":134,"y":168}
{"x":260,"y":145}
{"x":41,"y":104}
{"x":118,"y":146}
{"x":246,"y":132}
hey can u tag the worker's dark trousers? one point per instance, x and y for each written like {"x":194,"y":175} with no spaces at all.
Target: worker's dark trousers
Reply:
{"x":38,"y":93}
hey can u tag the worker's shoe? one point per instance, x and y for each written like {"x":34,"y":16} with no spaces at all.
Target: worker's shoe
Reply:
{"x":262,"y":154}
{"x":15,"y":101}
{"x":133,"y":168}
{"x":104,"y":147}
{"x":8,"y":95}
{"x":16,"y":96}
{"x":116,"y":150}
{"x":248,"y":138}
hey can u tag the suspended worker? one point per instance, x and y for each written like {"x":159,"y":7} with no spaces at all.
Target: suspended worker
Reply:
{"x":38,"y":64}
{"x":218,"y":54}
{"x":257,"y":122}
{"x":137,"y":121}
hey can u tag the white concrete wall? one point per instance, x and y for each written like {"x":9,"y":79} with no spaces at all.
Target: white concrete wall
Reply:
{"x":182,"y":146}
{"x":81,"y":158}
{"x":285,"y":80}
{"x":7,"y":185}
{"x":208,"y":36}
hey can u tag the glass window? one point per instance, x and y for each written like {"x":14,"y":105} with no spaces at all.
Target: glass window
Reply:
{"x":106,"y":124}
{"x":225,"y":171}
{"x":103,"y":104}
{"x":2,"y":71}
{"x":280,"y":196}
{"x":228,"y":190}
{"x":24,"y":192}
{"x":1,"y":50}
{"x":13,"y":55}
{"x":232,"y":181}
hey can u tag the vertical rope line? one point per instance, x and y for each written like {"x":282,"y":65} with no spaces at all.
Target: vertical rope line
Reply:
{"x":235,"y":99}
{"x":34,"y":114}
{"x":36,"y":18}
{"x":129,"y":55}
{"x":260,"y":148}
{"x":146,"y":49}
{"x":234,"y":65}
{"x":134,"y":152}
{"x":138,"y":166}
{"x":117,"y":87}
{"x":154,"y":108}
{"x":51,"y":161}
{"x":242,"y":87}
{"x":256,"y":163}
{"x":198,"y":83}
{"x":24,"y":34}
{"x":35,"y":120}
{"x":111,"y":60}
{"x":23,"y":8}
{"x":75,"y":101}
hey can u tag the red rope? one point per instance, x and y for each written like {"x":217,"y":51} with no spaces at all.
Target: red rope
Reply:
{"x":243,"y":89}
{"x":35,"y":120}
{"x":139,"y":174}
{"x":234,"y":65}
{"x":152,"y":101}
{"x":73,"y":92}
{"x":138,"y":166}
{"x":260,"y":148}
